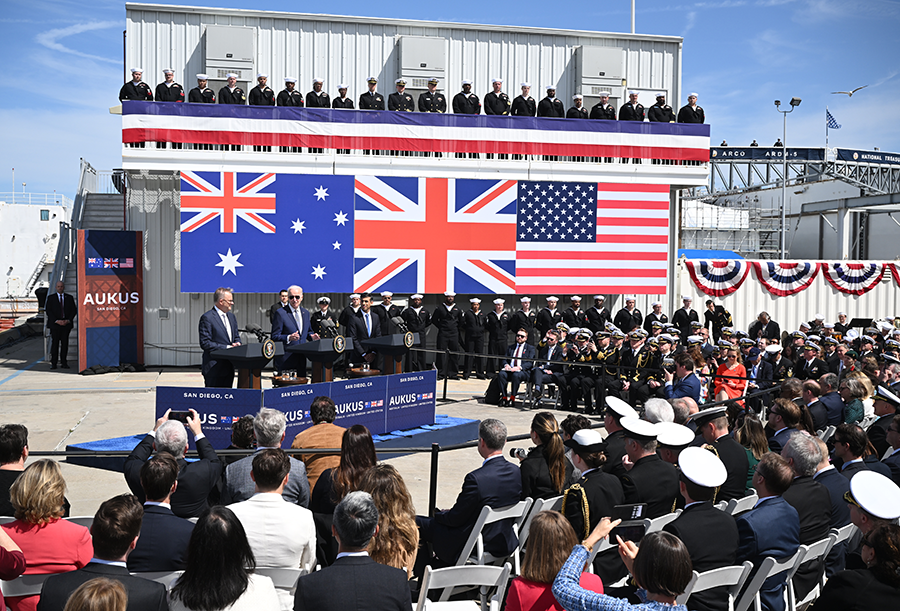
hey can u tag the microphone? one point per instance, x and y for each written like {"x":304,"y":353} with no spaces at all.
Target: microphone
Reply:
{"x":328,"y":327}
{"x":252,"y":327}
{"x":401,"y":324}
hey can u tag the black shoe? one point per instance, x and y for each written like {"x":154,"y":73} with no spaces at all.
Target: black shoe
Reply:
{"x":52,"y":365}
{"x":65,"y":365}
{"x":481,"y":376}
{"x":465,"y":377}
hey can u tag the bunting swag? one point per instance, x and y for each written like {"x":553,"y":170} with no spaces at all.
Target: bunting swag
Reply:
{"x":894,"y":272}
{"x":853,"y":278}
{"x":718,"y":278}
{"x":785,"y":278}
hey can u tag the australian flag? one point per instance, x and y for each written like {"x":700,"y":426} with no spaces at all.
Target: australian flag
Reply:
{"x":829,"y":119}
{"x":258,"y":232}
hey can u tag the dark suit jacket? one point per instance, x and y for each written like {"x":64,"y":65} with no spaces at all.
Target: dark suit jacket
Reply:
{"x":734,"y":456}
{"x":143,"y":594}
{"x":653,"y":481}
{"x":357,"y":330}
{"x":773,"y":331}
{"x":283,"y":325}
{"x":689,"y":386}
{"x":497,"y":483}
{"x":354,"y":582}
{"x":893,"y":463}
{"x":771,"y":529}
{"x":878,"y":434}
{"x":214,"y":336}
{"x":527,"y":353}
{"x":779,"y":439}
{"x":834,"y":407}
{"x":711,"y":538}
{"x":813,"y":504}
{"x":162,"y":545}
{"x":196,"y":480}
{"x":819,"y":413}
{"x":856,"y":591}
{"x":837,"y":485}
{"x":54,"y":312}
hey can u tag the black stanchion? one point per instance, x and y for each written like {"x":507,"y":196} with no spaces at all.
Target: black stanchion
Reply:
{"x":446,"y":371}
{"x":432,"y":482}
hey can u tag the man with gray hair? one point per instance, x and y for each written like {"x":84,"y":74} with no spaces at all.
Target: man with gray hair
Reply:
{"x":354,"y":581}
{"x":198,"y":481}
{"x":658,"y":410}
{"x":269,"y":426}
{"x":497,"y":483}
{"x":218,"y":330}
{"x":812,"y":502}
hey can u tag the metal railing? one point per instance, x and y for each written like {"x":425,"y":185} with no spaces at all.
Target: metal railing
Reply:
{"x":36,"y":199}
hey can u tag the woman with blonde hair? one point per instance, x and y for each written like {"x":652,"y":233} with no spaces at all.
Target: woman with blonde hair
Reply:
{"x":50,"y":544}
{"x":100,"y":594}
{"x":398,"y":537}
{"x":550,"y":541}
{"x":545,"y":470}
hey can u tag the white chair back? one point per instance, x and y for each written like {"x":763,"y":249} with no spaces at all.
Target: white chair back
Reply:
{"x":721,"y":505}
{"x":826,"y":434}
{"x":730,"y":577}
{"x":484,"y":577}
{"x":768,"y":568}
{"x":6,"y":519}
{"x":844,"y":533}
{"x":473,"y":550}
{"x":656,"y":524}
{"x":24,"y":585}
{"x":812,"y":553}
{"x":738,"y":506}
{"x":537,"y":506}
{"x":284,"y":579}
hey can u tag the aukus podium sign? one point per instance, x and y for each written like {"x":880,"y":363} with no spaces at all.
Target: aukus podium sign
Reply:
{"x":382,"y":403}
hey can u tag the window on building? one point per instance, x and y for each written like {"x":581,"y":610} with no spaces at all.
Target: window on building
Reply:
{"x":45,"y":215}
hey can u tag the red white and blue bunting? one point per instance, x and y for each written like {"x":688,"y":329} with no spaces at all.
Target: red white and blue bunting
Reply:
{"x":784,"y":278}
{"x":718,"y":278}
{"x":853,"y":278}
{"x":896,"y":273}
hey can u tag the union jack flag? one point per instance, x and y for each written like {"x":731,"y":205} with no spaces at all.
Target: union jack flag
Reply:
{"x":114,"y":262}
{"x":431,"y":235}
{"x":226,"y":197}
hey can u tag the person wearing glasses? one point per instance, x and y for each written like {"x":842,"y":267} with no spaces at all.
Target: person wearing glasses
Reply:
{"x":517,"y":368}
{"x":218,"y":329}
{"x":783,"y":418}
{"x":292,"y":327}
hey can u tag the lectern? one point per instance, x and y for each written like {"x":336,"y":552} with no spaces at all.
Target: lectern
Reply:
{"x":393,"y":347}
{"x":323,"y":353}
{"x":249,"y":360}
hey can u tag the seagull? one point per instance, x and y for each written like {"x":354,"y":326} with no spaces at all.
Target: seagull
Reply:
{"x":850,"y":93}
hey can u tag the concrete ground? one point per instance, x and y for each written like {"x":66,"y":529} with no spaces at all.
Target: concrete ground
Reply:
{"x":62,"y":407}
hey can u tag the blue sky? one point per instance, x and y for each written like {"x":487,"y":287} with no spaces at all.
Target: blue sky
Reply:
{"x":61,"y":69}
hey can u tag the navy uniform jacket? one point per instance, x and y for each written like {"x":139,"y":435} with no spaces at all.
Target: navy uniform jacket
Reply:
{"x":214,"y":336}
{"x":498,"y":326}
{"x":597,"y":319}
{"x":599,"y":112}
{"x":474,"y":324}
{"x":140,"y":92}
{"x":342,"y":103}
{"x":432,"y":102}
{"x":466,"y":104}
{"x":734,"y":457}
{"x":371,"y":101}
{"x":163,"y":543}
{"x":691,"y":115}
{"x":262,"y":96}
{"x":615,"y":450}
{"x":772,"y":330}
{"x":227,"y":96}
{"x":711,"y":538}
{"x":547,"y":320}
{"x":653,"y":481}
{"x":318,"y":100}
{"x":877,"y":433}
{"x":857,"y":590}
{"x":770,"y":529}
{"x":290,"y":98}
{"x":661,"y":113}
{"x":202,"y":96}
{"x":813,"y":504}
{"x":682,"y":318}
{"x":496,"y":104}
{"x":524,"y":320}
{"x":893,"y":463}
{"x":596,"y":494}
{"x":551,"y":108}
{"x":810,"y":371}
{"x":447,"y":321}
{"x":169,"y":93}
{"x":652,"y":318}
{"x":401,"y":101}
{"x":416,"y":323}
{"x":316,"y":318}
{"x":497,"y":483}
{"x":834,"y":406}
{"x":575,"y":319}
{"x":524,"y":107}
{"x":577,"y":113}
{"x":385,"y":315}
{"x":626,"y":321}
{"x":631,"y":112}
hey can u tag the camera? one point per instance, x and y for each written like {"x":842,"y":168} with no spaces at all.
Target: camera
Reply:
{"x":519,"y":453}
{"x":668,"y":365}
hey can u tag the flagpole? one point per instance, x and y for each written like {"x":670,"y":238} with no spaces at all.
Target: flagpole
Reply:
{"x":826,"y":132}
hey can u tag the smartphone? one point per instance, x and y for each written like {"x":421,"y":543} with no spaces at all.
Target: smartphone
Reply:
{"x":628,"y":513}
{"x":179,"y":416}
{"x":632,"y":526}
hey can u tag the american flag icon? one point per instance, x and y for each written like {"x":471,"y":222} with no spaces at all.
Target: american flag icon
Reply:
{"x":127,"y":263}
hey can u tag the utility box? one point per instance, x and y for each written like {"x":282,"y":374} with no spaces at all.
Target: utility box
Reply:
{"x":422,"y":58}
{"x":600,"y":70}
{"x":230,"y":49}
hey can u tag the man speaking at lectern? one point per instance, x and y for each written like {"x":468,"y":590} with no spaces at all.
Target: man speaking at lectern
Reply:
{"x":292,"y":327}
{"x":219,"y":329}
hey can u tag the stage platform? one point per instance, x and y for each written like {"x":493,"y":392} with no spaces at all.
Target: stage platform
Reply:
{"x":445,"y":431}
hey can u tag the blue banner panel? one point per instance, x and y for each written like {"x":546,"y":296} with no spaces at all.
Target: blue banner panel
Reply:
{"x":218,"y":408}
{"x":410,"y":400}
{"x":361,"y":401}
{"x":868,"y":156}
{"x":295,"y":402}
{"x":764,"y":153}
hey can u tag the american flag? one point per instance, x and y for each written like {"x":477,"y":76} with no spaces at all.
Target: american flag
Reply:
{"x":591,"y":237}
{"x":226,"y":197}
{"x":126,"y":263}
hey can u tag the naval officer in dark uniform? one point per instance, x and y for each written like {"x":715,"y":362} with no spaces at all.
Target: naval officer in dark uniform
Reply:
{"x":136,"y":89}
{"x":712,"y":424}
{"x":201,"y":94}
{"x":550,"y":106}
{"x":169,"y":90}
{"x":651,"y":480}
{"x":416,"y":318}
{"x":691,"y":113}
{"x":262,"y":94}
{"x":318,"y":98}
{"x":400,"y":100}
{"x":498,"y":333}
{"x":323,"y":313}
{"x":578,"y":111}
{"x":474,"y":321}
{"x":661,"y":112}
{"x":432,"y":100}
{"x":289,"y":96}
{"x":231,"y":93}
{"x":631,"y":110}
{"x":371,"y":99}
{"x":603,"y":110}
{"x":448,"y":320}
{"x":524,"y":105}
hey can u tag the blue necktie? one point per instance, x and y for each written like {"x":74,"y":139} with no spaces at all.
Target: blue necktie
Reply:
{"x":368,"y":324}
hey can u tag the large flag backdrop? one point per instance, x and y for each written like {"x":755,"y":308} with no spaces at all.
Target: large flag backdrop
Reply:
{"x":258,"y":232}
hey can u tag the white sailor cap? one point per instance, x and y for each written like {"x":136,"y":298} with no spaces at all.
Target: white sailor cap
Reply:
{"x":638,"y":429}
{"x":702,"y":467}
{"x":318,"y":80}
{"x":604,"y":94}
{"x":575,"y":298}
{"x":693,"y":95}
{"x":525,"y":299}
{"x":496,"y":80}
{"x":416,"y":296}
{"x":820,"y":317}
{"x":687,"y":298}
{"x":774,"y":348}
{"x":577,"y":96}
{"x":656,"y":303}
{"x":706,"y":415}
{"x":562,"y":326}
{"x":620,"y":408}
{"x":168,"y":71}
{"x":674,"y":435}
{"x":572,"y":330}
{"x":434,"y":80}
{"x":354,"y":296}
{"x":884,"y":325}
{"x":882,"y":393}
{"x":371,"y":79}
{"x":400,"y":81}
{"x":600,"y":297}
{"x":262,"y":75}
{"x":466,"y":81}
{"x":890,"y":357}
{"x":133,"y":70}
{"x":814,"y":338}
{"x":804,"y":324}
{"x":632,"y":92}
{"x":552,"y":298}
{"x":449,"y":294}
{"x":876,"y":494}
{"x":499,"y":301}
{"x":525,"y":84}
{"x":290,"y":79}
{"x":694,"y":340}
{"x":342,"y":86}
{"x":474,"y":300}
{"x":202,"y":77}
{"x":829,"y":325}
{"x":386,"y":294}
{"x":587,"y":440}
{"x":842,"y":313}
{"x":551,"y":87}
{"x":660,"y":94}
{"x":630,"y":298}
{"x":231,"y":75}
{"x":323,"y":299}
{"x":852,"y":334}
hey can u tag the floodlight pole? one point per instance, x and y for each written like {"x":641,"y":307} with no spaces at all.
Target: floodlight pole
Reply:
{"x":784,"y":176}
{"x":632,"y":16}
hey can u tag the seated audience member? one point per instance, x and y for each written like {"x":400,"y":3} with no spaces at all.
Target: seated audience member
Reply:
{"x":197,"y":481}
{"x":164,"y":538}
{"x":615,"y":439}
{"x":731,"y":377}
{"x":12,"y":561}
{"x":712,"y":424}
{"x":661,"y":570}
{"x":242,"y":438}
{"x":812,"y":392}
{"x":497,"y":483}
{"x":550,"y":541}
{"x":813,"y":505}
{"x":220,"y":569}
{"x":50,"y":544}
{"x":893,"y":459}
{"x":874,"y":501}
{"x":851,"y":446}
{"x":852,"y":391}
{"x":545,"y":470}
{"x":710,"y":535}
{"x":831,"y":399}
{"x":752,"y":436}
{"x":783,"y":417}
{"x":324,"y":433}
{"x":886,"y":405}
{"x":516,"y":369}
{"x":13,"y":454}
{"x":658,"y":410}
{"x":683,"y":382}
{"x":877,"y":586}
{"x":570,"y":425}
{"x":115,"y":530}
{"x":398,"y":537}
{"x":354,"y":581}
{"x":837,"y":486}
{"x":98,"y":594}
{"x":649,"y":480}
{"x":281,"y":534}
{"x":684,"y":408}
{"x":671,"y":440}
{"x":268,"y":426}
{"x":771,"y":528}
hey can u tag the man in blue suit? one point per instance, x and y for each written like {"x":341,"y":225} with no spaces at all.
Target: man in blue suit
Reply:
{"x":552,"y":372}
{"x":783,"y":418}
{"x":759,"y":370}
{"x":831,"y":399}
{"x":771,"y":528}
{"x":364,"y":325}
{"x":291,"y":326}
{"x":683,"y":382}
{"x":516,"y":369}
{"x":218,"y":329}
{"x":497,"y":483}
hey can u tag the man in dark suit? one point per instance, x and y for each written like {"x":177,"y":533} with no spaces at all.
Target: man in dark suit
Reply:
{"x":760,"y":373}
{"x":813,"y":504}
{"x":771,"y":528}
{"x":712,"y":425}
{"x":497,"y":483}
{"x":281,"y":303}
{"x":197,"y":480}
{"x":218,"y":330}
{"x":354,"y":581}
{"x":783,"y":418}
{"x":114,"y":532}
{"x":60,"y":310}
{"x":364,"y":325}
{"x":683,"y":382}
{"x":292,"y":327}
{"x":831,"y":399}
{"x":517,"y":368}
{"x":549,"y":373}
{"x":818,"y":411}
{"x":765,"y":327}
{"x":893,"y":460}
{"x":417,"y":318}
{"x":837,"y":486}
{"x":164,"y":538}
{"x":650,"y":480}
{"x":710,"y":535}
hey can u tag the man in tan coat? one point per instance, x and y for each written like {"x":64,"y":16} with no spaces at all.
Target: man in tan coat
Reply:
{"x":322,"y":434}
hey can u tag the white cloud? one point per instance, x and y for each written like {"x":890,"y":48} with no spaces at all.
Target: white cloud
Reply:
{"x":691,"y":20}
{"x":51,"y":38}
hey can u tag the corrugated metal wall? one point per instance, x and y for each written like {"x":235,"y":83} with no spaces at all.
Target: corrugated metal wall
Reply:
{"x":820,"y":298}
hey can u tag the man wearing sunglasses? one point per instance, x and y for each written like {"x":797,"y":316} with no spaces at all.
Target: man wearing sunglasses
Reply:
{"x":517,"y":368}
{"x":292,"y":327}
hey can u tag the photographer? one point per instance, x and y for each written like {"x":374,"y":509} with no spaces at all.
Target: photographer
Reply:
{"x":583,"y":350}
{"x":545,"y":470}
{"x":682,"y":381}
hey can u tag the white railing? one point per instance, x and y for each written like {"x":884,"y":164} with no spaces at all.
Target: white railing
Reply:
{"x":36,"y":199}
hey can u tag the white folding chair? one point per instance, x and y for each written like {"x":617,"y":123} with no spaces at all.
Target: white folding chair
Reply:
{"x":6,"y":519}
{"x":656,"y":524}
{"x":164,"y":577}
{"x":24,"y":585}
{"x":768,"y":568}
{"x":85,"y":521}
{"x":721,"y":505}
{"x":730,"y":577}
{"x":484,"y":577}
{"x":738,"y":506}
{"x":537,"y":506}
{"x":887,"y":452}
{"x":827,"y":433}
{"x":473,"y":551}
{"x":814,"y":552}
{"x":284,"y":579}
{"x":844,"y":533}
